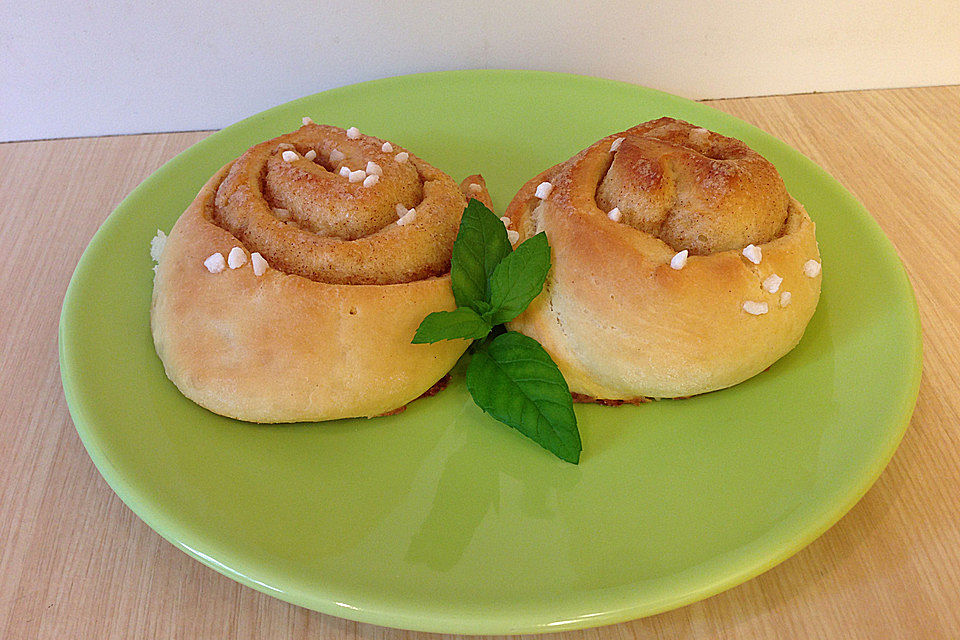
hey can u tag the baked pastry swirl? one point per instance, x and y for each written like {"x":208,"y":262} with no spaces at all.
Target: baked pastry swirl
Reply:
{"x":291,"y":287}
{"x":680,"y":263}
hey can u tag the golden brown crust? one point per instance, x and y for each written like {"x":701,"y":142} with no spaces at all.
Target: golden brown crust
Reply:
{"x":307,"y":219}
{"x":692,"y":188}
{"x":474,"y":186}
{"x":584,"y":399}
{"x":616,"y":317}
{"x":296,"y":343}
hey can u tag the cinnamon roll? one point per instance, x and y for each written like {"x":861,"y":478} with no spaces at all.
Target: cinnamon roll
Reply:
{"x":681,"y":265}
{"x":291,"y":287}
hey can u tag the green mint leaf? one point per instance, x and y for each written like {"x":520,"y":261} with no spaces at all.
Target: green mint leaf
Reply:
{"x":462,"y":322}
{"x":480,"y":246}
{"x":515,"y":381}
{"x":518,"y":279}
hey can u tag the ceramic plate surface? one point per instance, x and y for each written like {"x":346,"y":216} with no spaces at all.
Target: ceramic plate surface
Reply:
{"x":441,"y":519}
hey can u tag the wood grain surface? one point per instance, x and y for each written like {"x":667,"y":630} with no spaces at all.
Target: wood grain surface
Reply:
{"x":76,"y":563}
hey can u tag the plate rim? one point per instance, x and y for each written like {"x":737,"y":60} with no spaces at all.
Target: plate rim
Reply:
{"x":418,"y":621}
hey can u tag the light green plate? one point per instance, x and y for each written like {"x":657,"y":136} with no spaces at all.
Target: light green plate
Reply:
{"x":441,"y":519}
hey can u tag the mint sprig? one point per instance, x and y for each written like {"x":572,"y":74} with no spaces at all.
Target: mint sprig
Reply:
{"x":515,"y":381}
{"x":462,"y":322}
{"x":479,"y":247}
{"x":518,"y":279}
{"x":511,"y":377}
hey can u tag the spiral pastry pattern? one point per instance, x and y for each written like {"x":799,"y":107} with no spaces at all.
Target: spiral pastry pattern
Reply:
{"x":306,"y":218}
{"x":681,"y":264}
{"x":291,"y":287}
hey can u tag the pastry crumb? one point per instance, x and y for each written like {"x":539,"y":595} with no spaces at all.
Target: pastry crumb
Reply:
{"x":616,"y":144}
{"x":307,"y":120}
{"x":157,"y":244}
{"x":336,"y":155}
{"x":407,"y":218}
{"x":513,"y":236}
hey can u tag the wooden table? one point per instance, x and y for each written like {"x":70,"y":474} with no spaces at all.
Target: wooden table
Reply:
{"x":76,"y":563}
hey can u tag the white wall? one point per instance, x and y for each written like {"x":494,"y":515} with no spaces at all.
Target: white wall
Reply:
{"x":128,"y":67}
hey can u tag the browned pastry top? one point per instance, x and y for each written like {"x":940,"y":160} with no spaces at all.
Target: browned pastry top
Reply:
{"x":306,"y":219}
{"x":693,"y":188}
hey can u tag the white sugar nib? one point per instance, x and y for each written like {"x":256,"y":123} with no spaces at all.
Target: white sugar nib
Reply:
{"x":755,"y":308}
{"x":259,"y":264}
{"x":772,"y":283}
{"x":237,"y":258}
{"x":215,"y":263}
{"x":753,"y":253}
